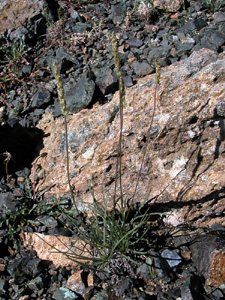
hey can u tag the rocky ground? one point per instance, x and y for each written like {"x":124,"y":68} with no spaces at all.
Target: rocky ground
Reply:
{"x":180,"y":263}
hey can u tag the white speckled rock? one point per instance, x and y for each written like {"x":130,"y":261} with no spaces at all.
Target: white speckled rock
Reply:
{"x":184,"y":165}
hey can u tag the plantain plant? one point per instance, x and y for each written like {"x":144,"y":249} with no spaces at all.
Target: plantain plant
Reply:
{"x":116,"y":233}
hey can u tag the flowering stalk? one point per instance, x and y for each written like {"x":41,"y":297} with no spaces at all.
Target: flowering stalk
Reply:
{"x":121,"y":104}
{"x":64,"y":112}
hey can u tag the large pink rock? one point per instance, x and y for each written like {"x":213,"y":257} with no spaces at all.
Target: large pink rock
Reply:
{"x":171,"y":6}
{"x":15,"y":13}
{"x":59,"y":249}
{"x":184,"y":166}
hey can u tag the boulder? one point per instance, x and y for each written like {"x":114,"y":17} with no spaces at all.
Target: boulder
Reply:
{"x":171,"y":6}
{"x":183,"y":170}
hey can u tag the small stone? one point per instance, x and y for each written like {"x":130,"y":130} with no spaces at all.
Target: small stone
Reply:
{"x":36,"y":283}
{"x":75,"y":282}
{"x":64,"y":294}
{"x":135,"y":42}
{"x":40,"y":98}
{"x":142,"y":69}
{"x":220,"y":108}
{"x":172,"y":258}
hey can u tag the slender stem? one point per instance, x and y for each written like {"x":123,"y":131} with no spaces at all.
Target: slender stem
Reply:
{"x":64,"y":112}
{"x":149,"y":129}
{"x":121,"y":104}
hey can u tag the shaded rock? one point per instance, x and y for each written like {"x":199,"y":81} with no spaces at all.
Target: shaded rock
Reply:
{"x":19,"y":142}
{"x":107,"y":81}
{"x":212,"y":39}
{"x":160,"y":54}
{"x":40,"y":98}
{"x":208,"y":254}
{"x":172,"y":258}
{"x":33,"y":28}
{"x":79,"y":95}
{"x":24,"y":264}
{"x":7,"y":202}
{"x":171,"y":6}
{"x":51,"y":248}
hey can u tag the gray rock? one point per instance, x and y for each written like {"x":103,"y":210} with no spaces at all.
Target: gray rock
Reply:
{"x":128,"y":82}
{"x":219,"y":17}
{"x":135,"y":42}
{"x":183,"y":49}
{"x":79,"y":95}
{"x":172,"y":258}
{"x":36,"y":283}
{"x":220,"y":108}
{"x":48,"y":221}
{"x":212,"y":39}
{"x":142,"y":69}
{"x":7,"y":202}
{"x":40,"y":98}
{"x":107,"y":81}
{"x":81,"y":27}
{"x":64,"y":294}
{"x":159,"y":53}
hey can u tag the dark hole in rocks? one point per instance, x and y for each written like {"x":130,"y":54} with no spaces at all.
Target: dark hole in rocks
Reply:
{"x":23,"y":144}
{"x":193,"y":120}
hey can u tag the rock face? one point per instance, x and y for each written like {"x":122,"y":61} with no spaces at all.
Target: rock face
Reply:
{"x":169,"y":5}
{"x":184,"y":165}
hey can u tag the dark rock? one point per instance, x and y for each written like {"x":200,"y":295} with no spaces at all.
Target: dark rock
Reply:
{"x":117,"y":12}
{"x":19,"y":142}
{"x":79,"y":95}
{"x":41,"y":98}
{"x":124,"y":285}
{"x":142,"y":69}
{"x":212,"y":39}
{"x":143,"y":272}
{"x":27,"y":69}
{"x":2,"y":286}
{"x":64,"y":60}
{"x":128,"y":82}
{"x":135,"y":42}
{"x":183,"y":49}
{"x":160,"y":54}
{"x":208,"y":257}
{"x":34,"y":28}
{"x":107,"y":81}
{"x":36,"y":283}
{"x":64,"y":294}
{"x":7,"y":202}
{"x":75,"y":15}
{"x":172,"y":258}
{"x":219,"y":17}
{"x":81,"y":27}
{"x":60,"y":231}
{"x":48,"y":221}
{"x":24,"y":264}
{"x":199,"y":23}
